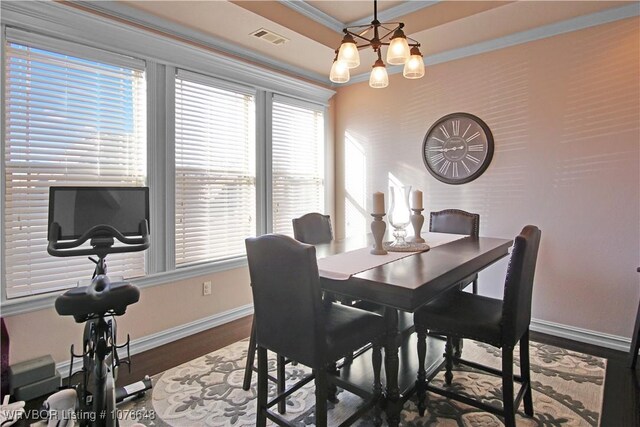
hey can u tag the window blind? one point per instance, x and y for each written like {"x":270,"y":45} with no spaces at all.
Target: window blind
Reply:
{"x":68,"y":121}
{"x":215,"y":169}
{"x":297,"y":162}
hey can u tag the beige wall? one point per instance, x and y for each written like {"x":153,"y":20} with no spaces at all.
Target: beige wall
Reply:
{"x":565,"y":115}
{"x":160,"y":308}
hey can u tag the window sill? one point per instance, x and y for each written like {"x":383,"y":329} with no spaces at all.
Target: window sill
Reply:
{"x":39,"y":302}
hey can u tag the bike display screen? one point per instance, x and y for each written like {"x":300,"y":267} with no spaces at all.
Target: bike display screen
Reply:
{"x":77,"y":209}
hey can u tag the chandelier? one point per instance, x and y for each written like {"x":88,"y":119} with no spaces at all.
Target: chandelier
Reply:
{"x":399,"y":51}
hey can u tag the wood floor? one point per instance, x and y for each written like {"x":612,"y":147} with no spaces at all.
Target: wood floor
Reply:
{"x":621,"y":407}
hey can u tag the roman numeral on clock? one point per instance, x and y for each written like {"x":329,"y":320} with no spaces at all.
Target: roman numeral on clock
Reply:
{"x":444,"y":131}
{"x":454,"y":170}
{"x":476,"y":147}
{"x":474,"y":136}
{"x":436,"y":158}
{"x":456,"y":127}
{"x":465,"y":166}
{"x":473,"y":159}
{"x":445,"y":167}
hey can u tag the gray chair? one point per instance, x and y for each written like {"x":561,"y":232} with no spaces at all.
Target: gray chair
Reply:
{"x":456,"y":221}
{"x":313,"y":228}
{"x":500,"y":323}
{"x":293,"y":321}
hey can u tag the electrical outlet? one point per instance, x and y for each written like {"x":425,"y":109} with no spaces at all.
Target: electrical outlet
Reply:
{"x":206,"y":288}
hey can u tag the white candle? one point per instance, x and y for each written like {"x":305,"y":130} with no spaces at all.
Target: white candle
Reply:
{"x":416,"y":199}
{"x":378,"y":203}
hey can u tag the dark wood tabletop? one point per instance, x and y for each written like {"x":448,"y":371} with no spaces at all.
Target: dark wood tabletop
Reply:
{"x":408,"y":283}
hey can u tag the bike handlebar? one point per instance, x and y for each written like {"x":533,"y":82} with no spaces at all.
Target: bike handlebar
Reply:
{"x":65,"y":249}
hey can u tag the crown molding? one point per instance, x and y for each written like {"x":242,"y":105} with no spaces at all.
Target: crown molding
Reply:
{"x":545,"y":31}
{"x":392,"y":13}
{"x":142,"y":18}
{"x":304,"y":8}
{"x":201,"y":55}
{"x":405,"y":8}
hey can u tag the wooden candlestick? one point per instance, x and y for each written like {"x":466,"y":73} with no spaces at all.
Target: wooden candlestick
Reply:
{"x":378,"y":227}
{"x":417,"y":220}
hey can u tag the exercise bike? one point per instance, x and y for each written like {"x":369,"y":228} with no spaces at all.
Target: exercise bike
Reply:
{"x":100,"y":216}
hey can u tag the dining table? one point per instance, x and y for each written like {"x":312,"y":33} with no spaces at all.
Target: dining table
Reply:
{"x":405,"y":285}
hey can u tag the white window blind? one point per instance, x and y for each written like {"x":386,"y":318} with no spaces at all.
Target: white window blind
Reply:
{"x":215,"y":169}
{"x":297,"y":162}
{"x":69,"y":121}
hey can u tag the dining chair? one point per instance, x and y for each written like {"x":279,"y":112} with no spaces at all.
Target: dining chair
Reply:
{"x":293,"y":321}
{"x":456,"y":221}
{"x":500,"y":323}
{"x":313,"y":228}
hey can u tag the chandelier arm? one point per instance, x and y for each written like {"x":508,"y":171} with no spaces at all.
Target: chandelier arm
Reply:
{"x":415,"y":43}
{"x":387,"y":35}
{"x":397,"y":25}
{"x":360,"y":37}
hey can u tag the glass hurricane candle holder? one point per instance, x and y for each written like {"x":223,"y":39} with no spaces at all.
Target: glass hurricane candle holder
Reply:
{"x":399,"y":215}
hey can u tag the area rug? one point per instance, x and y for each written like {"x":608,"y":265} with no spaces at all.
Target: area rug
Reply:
{"x":567,"y":391}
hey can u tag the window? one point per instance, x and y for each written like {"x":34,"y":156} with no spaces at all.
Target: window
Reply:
{"x":70,"y":120}
{"x":297,"y":161}
{"x":215,"y":169}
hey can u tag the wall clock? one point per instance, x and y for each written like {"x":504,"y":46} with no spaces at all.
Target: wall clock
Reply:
{"x":457,"y":148}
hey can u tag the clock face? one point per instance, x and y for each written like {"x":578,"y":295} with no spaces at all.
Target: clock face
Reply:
{"x":457,"y":148}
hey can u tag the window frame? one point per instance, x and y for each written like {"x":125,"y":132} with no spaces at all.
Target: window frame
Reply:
{"x":162,"y":55}
{"x":121,"y":79}
{"x":287,"y":100}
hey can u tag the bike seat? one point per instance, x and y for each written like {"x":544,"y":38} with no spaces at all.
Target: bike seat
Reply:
{"x":97,"y":299}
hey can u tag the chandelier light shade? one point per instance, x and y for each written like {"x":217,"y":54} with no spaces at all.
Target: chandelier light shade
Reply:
{"x":398,"y":51}
{"x":379,"y":77}
{"x":414,"y":67}
{"x":348,"y":53}
{"x":401,"y":50}
{"x":339,"y":72}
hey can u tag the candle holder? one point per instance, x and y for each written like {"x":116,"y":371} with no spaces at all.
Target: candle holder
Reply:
{"x":417,"y":220}
{"x":399,"y":216}
{"x":378,"y":227}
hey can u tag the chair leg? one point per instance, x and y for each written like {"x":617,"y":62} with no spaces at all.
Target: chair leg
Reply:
{"x":376,"y":360}
{"x":348,"y":360}
{"x":332,"y":389}
{"x":525,"y":373}
{"x":457,"y":347}
{"x":448,"y":360}
{"x":474,"y":287}
{"x":507,"y":387}
{"x":421,"y":333}
{"x":251,"y":352}
{"x":321,"y":397}
{"x":261,"y":415}
{"x":282,"y":405}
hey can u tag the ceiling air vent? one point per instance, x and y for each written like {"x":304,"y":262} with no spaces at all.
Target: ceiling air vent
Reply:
{"x":269,"y":36}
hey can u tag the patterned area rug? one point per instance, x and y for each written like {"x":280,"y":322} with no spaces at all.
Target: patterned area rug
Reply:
{"x":567,"y":391}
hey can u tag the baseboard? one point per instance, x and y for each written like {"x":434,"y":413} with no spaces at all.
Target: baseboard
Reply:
{"x":164,"y":337}
{"x":149,"y":342}
{"x":614,"y":342}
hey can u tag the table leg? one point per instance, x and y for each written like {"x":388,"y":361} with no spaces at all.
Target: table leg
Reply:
{"x":391,"y":368}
